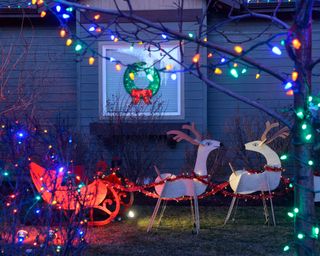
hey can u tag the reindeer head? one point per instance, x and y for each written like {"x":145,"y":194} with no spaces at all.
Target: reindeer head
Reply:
{"x":203,"y":145}
{"x":260,"y":145}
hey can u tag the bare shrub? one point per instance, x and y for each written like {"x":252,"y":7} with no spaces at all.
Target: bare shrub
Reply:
{"x":245,"y":129}
{"x":135,"y":136}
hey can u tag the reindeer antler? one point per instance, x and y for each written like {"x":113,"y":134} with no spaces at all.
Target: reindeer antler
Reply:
{"x":269,"y":126}
{"x":182,"y":136}
{"x":282,"y":133}
{"x":192,"y":128}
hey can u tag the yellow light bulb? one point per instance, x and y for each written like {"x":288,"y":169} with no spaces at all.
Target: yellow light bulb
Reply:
{"x":235,"y":65}
{"x":91,"y":60}
{"x":40,"y":2}
{"x":116,"y":39}
{"x":131,"y":75}
{"x":118,"y":67}
{"x":238,"y":49}
{"x":296,"y":44}
{"x":97,"y":16}
{"x":218,"y":71}
{"x":169,"y":67}
{"x":258,"y":76}
{"x":140,"y":43}
{"x":63,"y":33}
{"x":294,"y":76}
{"x":205,"y":39}
{"x":69,"y":42}
{"x":196,"y":58}
{"x":43,"y":13}
{"x":34,"y":1}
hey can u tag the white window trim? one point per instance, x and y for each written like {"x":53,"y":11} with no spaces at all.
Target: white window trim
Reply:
{"x":179,"y":115}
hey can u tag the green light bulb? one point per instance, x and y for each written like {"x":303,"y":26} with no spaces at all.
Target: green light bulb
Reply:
{"x":284,"y":157}
{"x":310,"y":98}
{"x":243,"y":71}
{"x":300,"y":114}
{"x":315,"y":232}
{"x":38,"y":197}
{"x":300,"y":236}
{"x":304,"y":126}
{"x":78,"y":47}
{"x":309,"y":136}
{"x":296,"y":210}
{"x":234,"y":73}
{"x":310,"y":162}
{"x":290,"y":185}
{"x":286,"y":248}
{"x":5,"y":173}
{"x":282,"y":42}
{"x":190,"y":35}
{"x":290,"y":214}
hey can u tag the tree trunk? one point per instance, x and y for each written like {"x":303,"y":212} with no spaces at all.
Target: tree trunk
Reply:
{"x":304,"y":195}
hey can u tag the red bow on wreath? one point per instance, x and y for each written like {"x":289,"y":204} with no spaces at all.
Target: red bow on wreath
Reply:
{"x":137,"y":94}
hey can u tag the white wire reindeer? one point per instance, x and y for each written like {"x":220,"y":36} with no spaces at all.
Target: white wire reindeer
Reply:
{"x":185,"y":187}
{"x":244,"y":182}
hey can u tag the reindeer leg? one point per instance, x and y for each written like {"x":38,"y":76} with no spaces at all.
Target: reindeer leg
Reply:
{"x":192,"y":212}
{"x":154,"y":214}
{"x":235,"y":210}
{"x":164,"y":206}
{"x":230,"y":210}
{"x":265,"y":209}
{"x":196,"y":208}
{"x":271,"y":205}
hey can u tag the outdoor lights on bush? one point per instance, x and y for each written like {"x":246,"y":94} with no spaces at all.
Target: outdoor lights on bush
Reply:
{"x":304,"y":126}
{"x":276,"y":50}
{"x":300,"y":114}
{"x":308,"y":136}
{"x":300,"y":236}
{"x":290,"y":214}
{"x":22,"y":235}
{"x":310,"y":162}
{"x":164,"y":36}
{"x":243,"y":71}
{"x":131,"y":214}
{"x":286,"y":248}
{"x":234,"y":73}
{"x":190,"y":35}
{"x":315,"y":232}
{"x":223,"y":60}
{"x":60,"y":169}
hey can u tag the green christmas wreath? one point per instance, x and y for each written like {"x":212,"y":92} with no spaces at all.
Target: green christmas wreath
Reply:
{"x":136,"y":93}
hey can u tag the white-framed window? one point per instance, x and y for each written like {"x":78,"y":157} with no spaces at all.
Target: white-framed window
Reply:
{"x":112,"y":88}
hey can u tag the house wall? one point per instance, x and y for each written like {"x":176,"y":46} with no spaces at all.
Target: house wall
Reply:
{"x":267,"y":90}
{"x":195,"y":95}
{"x":48,"y":71}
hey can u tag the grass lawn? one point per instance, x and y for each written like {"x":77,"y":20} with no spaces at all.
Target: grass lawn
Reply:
{"x":245,"y":237}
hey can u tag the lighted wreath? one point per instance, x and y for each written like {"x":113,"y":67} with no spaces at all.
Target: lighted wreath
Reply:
{"x":146,"y":93}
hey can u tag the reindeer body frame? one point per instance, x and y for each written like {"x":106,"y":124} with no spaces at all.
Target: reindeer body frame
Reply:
{"x":245,"y":182}
{"x":185,"y":187}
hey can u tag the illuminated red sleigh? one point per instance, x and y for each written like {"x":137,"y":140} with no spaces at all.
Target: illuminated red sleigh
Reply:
{"x":102,"y":200}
